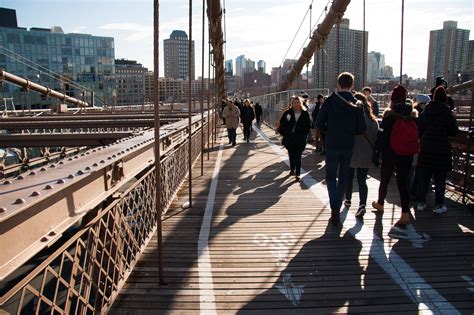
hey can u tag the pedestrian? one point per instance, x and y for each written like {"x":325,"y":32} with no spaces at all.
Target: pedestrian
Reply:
{"x":231,"y":113}
{"x":435,"y":124}
{"x":258,"y":112}
{"x":397,"y":143}
{"x":294,"y":126}
{"x":341,"y":118}
{"x":318,"y":136}
{"x":361,"y":160}
{"x":223,"y":105}
{"x":421,"y":101}
{"x":372,"y":101}
{"x":247,"y":116}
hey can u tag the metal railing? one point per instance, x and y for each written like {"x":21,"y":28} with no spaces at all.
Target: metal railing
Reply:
{"x":459,"y":178}
{"x":85,"y":274}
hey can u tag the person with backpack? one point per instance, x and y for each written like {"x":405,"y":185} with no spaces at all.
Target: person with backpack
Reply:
{"x":341,"y":118}
{"x":361,"y":157}
{"x":294,"y":126}
{"x":397,"y":142}
{"x":435,"y":124}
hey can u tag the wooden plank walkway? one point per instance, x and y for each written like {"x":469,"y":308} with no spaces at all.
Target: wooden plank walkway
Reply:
{"x":271,"y":250}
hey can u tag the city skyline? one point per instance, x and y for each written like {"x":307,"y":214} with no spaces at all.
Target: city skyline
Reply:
{"x":258,"y":33}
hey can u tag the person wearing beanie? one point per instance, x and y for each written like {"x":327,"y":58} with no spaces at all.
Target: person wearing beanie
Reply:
{"x":435,"y":124}
{"x":399,"y":109}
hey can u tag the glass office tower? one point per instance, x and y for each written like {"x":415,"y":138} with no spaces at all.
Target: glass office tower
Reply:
{"x":85,"y":59}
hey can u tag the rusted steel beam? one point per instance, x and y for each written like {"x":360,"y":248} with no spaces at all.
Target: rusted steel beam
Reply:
{"x":79,"y":124}
{"x":36,"y":208}
{"x":317,"y":40}
{"x":60,"y":139}
{"x":109,"y":116}
{"x":27,"y":84}
{"x":460,"y":87}
{"x":216,"y":37}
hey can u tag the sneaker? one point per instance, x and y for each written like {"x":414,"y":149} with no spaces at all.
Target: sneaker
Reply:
{"x":360,"y":212}
{"x":347,"y":203}
{"x":440,"y":209}
{"x":421,"y":206}
{"x":377,"y":207}
{"x":297,"y":178}
{"x":292,"y":173}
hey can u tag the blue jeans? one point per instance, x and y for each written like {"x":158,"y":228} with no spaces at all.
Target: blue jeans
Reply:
{"x":337,"y":181}
{"x":361,"y":181}
{"x":424,"y":177}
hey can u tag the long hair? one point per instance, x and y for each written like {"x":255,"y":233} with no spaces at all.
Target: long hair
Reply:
{"x":367,"y":108}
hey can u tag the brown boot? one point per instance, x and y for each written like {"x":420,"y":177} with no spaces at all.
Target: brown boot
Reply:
{"x":404,"y":219}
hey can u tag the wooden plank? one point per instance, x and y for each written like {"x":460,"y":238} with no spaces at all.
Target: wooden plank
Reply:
{"x":266,"y":226}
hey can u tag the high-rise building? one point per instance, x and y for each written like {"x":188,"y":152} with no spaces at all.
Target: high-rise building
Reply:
{"x":261,"y":66}
{"x":340,"y":53}
{"x":468,"y":73}
{"x":276,"y":76}
{"x":149,"y":87}
{"x":249,"y":66}
{"x":176,"y":55}
{"x":375,"y":66}
{"x":130,"y":79}
{"x":240,"y":64}
{"x":447,"y":53}
{"x":8,"y":18}
{"x":229,"y":69}
{"x":86,"y":60}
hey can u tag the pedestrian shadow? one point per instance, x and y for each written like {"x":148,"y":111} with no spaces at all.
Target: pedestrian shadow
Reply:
{"x":324,"y":277}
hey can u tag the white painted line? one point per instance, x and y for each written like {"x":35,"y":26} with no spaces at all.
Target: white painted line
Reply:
{"x":414,"y":286}
{"x":206,"y":285}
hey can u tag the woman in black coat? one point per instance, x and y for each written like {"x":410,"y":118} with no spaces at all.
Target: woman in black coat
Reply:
{"x":435,"y":124}
{"x":294,"y":126}
{"x":247,"y":115}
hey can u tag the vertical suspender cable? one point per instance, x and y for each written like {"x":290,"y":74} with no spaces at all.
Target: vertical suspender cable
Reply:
{"x":337,"y":48}
{"x":364,"y":49}
{"x":156,"y":59}
{"x":202,"y":90}
{"x":209,"y":107}
{"x":401,"y":42}
{"x":190,"y":78}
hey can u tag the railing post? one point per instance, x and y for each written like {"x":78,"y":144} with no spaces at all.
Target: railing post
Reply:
{"x":156,"y":51}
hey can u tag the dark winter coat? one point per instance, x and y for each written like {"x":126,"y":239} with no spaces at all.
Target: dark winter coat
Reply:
{"x":435,"y":124}
{"x":315,"y":112}
{"x":390,"y":115}
{"x":294,"y":133}
{"x":341,"y":121}
{"x":258,"y":110}
{"x":247,"y":115}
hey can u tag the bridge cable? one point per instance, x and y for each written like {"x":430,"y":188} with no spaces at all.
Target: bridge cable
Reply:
{"x":401,"y":42}
{"x":312,"y":30}
{"x":294,"y":37}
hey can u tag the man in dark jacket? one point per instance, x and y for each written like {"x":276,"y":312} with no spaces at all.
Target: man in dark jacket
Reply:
{"x":435,"y":124}
{"x":341,"y":119}
{"x":258,"y":112}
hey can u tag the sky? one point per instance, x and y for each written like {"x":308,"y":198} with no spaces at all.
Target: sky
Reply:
{"x":258,"y":29}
